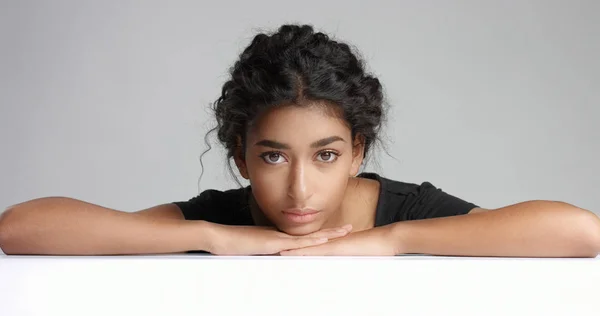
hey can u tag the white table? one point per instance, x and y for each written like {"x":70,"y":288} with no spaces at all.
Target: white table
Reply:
{"x":208,"y":285}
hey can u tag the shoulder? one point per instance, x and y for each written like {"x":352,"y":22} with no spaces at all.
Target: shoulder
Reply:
{"x":229,"y":207}
{"x":389,"y":186}
{"x":399,"y":201}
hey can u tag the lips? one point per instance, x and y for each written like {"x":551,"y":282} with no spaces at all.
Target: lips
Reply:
{"x":301,"y":216}
{"x":299,"y":211}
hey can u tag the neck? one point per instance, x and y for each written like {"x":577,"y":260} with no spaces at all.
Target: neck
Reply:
{"x":358,"y":206}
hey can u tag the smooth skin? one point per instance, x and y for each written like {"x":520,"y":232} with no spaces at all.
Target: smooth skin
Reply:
{"x":287,"y":169}
{"x":66,"y":226}
{"x":300,"y":157}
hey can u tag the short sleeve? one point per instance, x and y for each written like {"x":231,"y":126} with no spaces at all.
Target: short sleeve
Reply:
{"x":222,"y":207}
{"x":431,"y":202}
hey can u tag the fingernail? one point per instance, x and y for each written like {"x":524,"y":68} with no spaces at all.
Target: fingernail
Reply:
{"x":341,"y":230}
{"x":322,"y":239}
{"x":347,"y":227}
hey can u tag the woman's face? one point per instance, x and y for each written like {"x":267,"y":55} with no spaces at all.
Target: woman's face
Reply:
{"x":298,"y":161}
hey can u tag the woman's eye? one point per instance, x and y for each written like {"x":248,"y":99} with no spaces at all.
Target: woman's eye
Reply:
{"x":272,"y":158}
{"x":327,"y":156}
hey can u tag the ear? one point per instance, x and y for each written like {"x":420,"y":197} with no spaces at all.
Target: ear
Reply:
{"x":358,"y":152}
{"x":239,"y":158}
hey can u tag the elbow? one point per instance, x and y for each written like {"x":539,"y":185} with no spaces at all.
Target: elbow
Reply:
{"x":595,"y":239}
{"x":11,"y":228}
{"x":18,"y":224}
{"x":5,"y":230}
{"x":581,"y":228}
{"x":590,"y":234}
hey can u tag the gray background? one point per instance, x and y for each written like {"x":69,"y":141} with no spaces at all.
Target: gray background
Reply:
{"x":496,"y":102}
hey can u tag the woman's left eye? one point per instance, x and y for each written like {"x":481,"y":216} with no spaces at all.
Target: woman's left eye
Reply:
{"x":327,"y":156}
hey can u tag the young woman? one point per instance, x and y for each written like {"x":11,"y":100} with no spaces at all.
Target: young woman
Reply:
{"x":298,"y":116}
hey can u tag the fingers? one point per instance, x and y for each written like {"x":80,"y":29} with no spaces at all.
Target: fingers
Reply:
{"x":310,"y":240}
{"x":300,"y":242}
{"x":332,"y":233}
{"x":292,"y":252}
{"x":323,"y":250}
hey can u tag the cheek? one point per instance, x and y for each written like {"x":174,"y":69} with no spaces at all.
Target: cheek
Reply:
{"x":268,"y":184}
{"x":268,"y":188}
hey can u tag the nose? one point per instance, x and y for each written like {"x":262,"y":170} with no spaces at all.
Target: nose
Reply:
{"x":299,"y":189}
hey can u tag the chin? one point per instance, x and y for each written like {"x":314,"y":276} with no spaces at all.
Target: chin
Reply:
{"x":301,"y":230}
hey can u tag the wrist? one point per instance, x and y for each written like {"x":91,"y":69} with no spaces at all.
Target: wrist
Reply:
{"x":400,"y":237}
{"x":205,"y":235}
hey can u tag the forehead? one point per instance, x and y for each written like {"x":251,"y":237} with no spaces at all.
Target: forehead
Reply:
{"x":299,"y":124}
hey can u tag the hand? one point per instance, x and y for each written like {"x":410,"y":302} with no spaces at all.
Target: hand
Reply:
{"x":257,"y":240}
{"x":372,"y":242}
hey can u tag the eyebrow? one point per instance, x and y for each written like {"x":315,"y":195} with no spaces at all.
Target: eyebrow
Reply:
{"x":317,"y":144}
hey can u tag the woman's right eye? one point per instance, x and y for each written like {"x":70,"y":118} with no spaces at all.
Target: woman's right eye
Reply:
{"x":272,"y":158}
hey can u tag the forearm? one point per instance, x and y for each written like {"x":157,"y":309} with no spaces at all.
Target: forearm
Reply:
{"x":528,"y":229}
{"x":63,"y":226}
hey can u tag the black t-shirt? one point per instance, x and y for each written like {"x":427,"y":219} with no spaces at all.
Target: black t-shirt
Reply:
{"x":398,"y":201}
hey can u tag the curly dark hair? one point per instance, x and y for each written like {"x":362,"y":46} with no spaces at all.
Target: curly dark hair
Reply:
{"x":297,"y":66}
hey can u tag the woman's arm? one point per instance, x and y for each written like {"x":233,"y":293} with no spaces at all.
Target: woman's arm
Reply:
{"x":66,"y":226}
{"x":527,"y":229}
